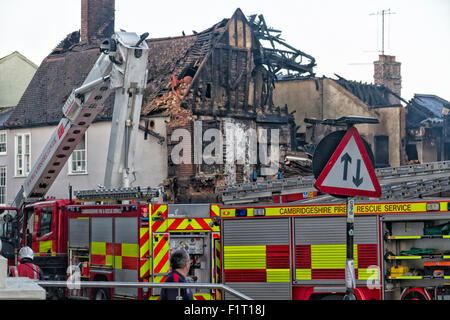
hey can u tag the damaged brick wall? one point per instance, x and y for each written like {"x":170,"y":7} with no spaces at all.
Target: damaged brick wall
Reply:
{"x":218,"y":80}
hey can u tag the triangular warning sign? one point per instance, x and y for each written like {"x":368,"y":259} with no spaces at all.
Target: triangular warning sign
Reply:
{"x":349,"y":171}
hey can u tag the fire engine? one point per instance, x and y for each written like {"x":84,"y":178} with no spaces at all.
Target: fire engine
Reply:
{"x":401,"y":250}
{"x":120,"y":242}
{"x":297,"y":250}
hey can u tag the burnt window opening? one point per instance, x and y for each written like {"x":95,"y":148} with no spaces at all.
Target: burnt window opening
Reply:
{"x":208,"y":91}
{"x":381,"y":151}
{"x":411,"y":152}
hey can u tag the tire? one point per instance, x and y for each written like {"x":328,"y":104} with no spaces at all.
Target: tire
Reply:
{"x":414,"y":295}
{"x":101,"y":294}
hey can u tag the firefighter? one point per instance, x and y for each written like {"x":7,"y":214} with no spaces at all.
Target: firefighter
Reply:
{"x":180,"y":264}
{"x":27,"y":268}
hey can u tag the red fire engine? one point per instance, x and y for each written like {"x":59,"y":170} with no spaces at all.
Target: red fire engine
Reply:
{"x":298,"y":252}
{"x":119,"y":242}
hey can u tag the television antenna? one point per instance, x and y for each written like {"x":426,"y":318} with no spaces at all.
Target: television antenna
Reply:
{"x":382,"y":13}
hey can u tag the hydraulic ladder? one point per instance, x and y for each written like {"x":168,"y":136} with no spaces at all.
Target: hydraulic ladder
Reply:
{"x":404,"y":182}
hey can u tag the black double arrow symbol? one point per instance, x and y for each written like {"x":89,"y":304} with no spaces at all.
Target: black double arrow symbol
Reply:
{"x":347,"y":159}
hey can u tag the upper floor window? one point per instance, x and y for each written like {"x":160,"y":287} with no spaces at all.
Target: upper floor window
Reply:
{"x":2,"y":142}
{"x":23,"y":154}
{"x":2,"y":185}
{"x":78,"y":159}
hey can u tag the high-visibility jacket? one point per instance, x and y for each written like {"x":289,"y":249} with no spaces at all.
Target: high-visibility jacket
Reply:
{"x":28,"y":270}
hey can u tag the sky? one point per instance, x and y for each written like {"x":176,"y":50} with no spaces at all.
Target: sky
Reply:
{"x":343,"y":36}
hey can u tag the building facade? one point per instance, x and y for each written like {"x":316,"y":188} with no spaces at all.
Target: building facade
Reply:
{"x":325,"y":98}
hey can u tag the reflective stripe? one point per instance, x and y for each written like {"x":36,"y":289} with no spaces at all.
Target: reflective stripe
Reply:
{"x":36,"y":272}
{"x":203,"y":296}
{"x":161,"y":256}
{"x":215,"y":210}
{"x":278,"y":275}
{"x":368,"y":274}
{"x":101,"y":253}
{"x":303,"y":274}
{"x":130,"y":250}
{"x":144,"y":252}
{"x":244,"y":257}
{"x":144,"y":242}
{"x":159,"y":218}
{"x":98,"y":248}
{"x":331,"y":256}
{"x":44,"y":246}
{"x":189,"y":224}
{"x":126,"y":256}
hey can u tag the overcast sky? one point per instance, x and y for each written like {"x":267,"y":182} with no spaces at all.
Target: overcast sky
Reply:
{"x":343,"y":36}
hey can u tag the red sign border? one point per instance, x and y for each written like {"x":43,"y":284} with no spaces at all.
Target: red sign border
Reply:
{"x":352,"y":132}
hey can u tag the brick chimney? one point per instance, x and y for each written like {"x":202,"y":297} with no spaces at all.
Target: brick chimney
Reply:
{"x":387,"y":73}
{"x":97,"y":19}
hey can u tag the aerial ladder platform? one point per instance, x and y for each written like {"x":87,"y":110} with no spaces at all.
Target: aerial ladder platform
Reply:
{"x":121,"y":68}
{"x":397,"y":183}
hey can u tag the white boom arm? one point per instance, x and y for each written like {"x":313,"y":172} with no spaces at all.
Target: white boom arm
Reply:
{"x":122,"y":67}
{"x":125,"y":121}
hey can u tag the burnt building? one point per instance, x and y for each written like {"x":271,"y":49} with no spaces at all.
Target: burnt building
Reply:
{"x":216,"y":79}
{"x":214,"y":85}
{"x":427,"y":124}
{"x":314,"y":99}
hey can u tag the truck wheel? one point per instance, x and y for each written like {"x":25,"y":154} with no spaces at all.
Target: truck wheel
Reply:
{"x":100,"y":294}
{"x":415,"y":294}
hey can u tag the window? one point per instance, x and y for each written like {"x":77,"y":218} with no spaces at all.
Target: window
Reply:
{"x":2,"y":142}
{"x":78,"y":159}
{"x":3,"y":185}
{"x":46,"y":221}
{"x":381,"y":151}
{"x":23,"y":154}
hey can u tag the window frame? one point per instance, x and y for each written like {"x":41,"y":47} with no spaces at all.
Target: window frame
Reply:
{"x":4,"y":153}
{"x":5,"y":186}
{"x":23,"y":154}
{"x":45,"y":224}
{"x":70,"y":162}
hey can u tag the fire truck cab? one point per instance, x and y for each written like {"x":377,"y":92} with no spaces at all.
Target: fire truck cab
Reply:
{"x":401,"y":250}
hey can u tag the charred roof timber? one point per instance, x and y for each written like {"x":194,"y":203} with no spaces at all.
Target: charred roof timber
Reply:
{"x":285,"y":58}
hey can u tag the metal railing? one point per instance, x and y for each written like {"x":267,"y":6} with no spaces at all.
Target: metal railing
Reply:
{"x":112,"y":284}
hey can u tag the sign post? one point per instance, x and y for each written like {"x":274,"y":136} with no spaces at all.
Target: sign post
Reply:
{"x":350,"y":277}
{"x":349,"y":173}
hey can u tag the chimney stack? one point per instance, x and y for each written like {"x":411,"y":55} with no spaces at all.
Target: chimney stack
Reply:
{"x":387,"y":73}
{"x":97,"y":19}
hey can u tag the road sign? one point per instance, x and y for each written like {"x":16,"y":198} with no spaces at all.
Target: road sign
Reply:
{"x":349,"y":171}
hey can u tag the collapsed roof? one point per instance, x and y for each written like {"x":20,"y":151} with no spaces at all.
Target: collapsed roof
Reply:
{"x":374,"y":96}
{"x":171,"y":60}
{"x":426,"y":109}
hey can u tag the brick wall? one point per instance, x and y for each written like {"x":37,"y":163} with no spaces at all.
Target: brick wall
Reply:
{"x":387,"y":73}
{"x":97,"y":19}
